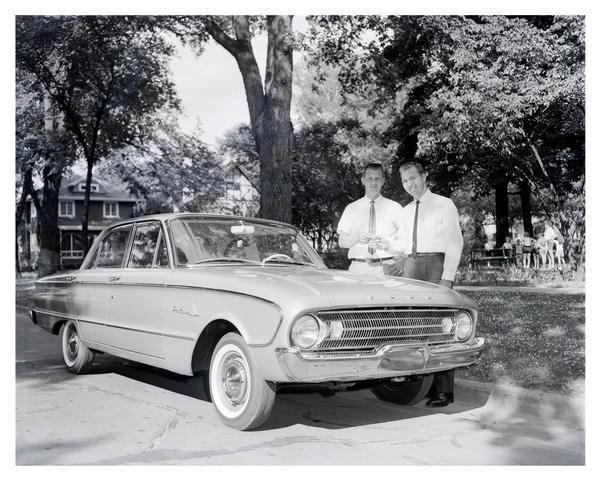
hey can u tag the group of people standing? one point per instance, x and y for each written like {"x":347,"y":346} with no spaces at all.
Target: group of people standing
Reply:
{"x":547,"y":250}
{"x":423,"y":241}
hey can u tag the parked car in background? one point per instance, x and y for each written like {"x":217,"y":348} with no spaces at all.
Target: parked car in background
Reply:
{"x":251,"y":303}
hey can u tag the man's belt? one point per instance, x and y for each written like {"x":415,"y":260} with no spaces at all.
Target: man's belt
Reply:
{"x":428,"y":254}
{"x":372,"y":260}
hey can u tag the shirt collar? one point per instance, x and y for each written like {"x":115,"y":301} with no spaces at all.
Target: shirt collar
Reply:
{"x":377,"y":200}
{"x":425,"y":197}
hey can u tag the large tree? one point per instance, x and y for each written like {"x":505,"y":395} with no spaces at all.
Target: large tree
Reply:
{"x":107,"y":76}
{"x":268,"y":102}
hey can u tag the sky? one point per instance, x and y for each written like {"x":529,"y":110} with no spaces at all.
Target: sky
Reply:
{"x":211,"y":89}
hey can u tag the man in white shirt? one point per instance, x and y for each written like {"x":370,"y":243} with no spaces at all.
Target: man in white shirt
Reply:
{"x":550,"y":236}
{"x":367,"y":222}
{"x":429,"y":233}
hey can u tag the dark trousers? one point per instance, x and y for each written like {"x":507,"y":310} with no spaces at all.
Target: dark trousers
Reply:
{"x":430,"y":269}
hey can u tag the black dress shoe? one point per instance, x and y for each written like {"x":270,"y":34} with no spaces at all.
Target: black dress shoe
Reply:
{"x":440,"y":400}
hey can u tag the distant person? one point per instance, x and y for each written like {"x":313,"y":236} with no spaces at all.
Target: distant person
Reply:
{"x":507,"y":247}
{"x":560,"y":255}
{"x":429,"y":232}
{"x":519,"y":253}
{"x":527,"y":249}
{"x":535,"y":253}
{"x":550,"y":236}
{"x":368,"y":221}
{"x":489,"y":245}
{"x":542,"y":247}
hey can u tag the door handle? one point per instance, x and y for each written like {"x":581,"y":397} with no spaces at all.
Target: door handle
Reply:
{"x":113,"y":279}
{"x":70,"y":278}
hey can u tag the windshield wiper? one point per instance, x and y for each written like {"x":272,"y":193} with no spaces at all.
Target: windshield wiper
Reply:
{"x":288,"y":262}
{"x":225,"y":259}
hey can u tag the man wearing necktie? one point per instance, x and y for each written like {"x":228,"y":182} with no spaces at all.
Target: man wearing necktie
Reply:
{"x":367,"y":222}
{"x":429,"y":233}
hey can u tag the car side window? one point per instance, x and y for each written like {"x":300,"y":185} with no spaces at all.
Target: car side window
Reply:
{"x":146,"y":246}
{"x":112,"y":249}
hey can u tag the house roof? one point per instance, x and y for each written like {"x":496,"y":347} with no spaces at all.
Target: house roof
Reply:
{"x":69,"y":190}
{"x":246,"y":174}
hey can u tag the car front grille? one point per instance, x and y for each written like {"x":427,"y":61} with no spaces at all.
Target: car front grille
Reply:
{"x":368,"y":330}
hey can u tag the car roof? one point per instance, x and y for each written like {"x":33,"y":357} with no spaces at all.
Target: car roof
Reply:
{"x":169,"y":216}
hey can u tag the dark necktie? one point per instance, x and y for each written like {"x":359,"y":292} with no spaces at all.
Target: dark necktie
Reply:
{"x":372,"y":221}
{"x":414,"y":239}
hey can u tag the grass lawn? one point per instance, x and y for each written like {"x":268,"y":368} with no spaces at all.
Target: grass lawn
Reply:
{"x":533,"y":340}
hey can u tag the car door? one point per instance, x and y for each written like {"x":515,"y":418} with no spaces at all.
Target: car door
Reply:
{"x":89,"y":285}
{"x":135,"y":309}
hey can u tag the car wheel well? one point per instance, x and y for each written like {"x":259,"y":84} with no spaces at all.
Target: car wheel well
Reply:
{"x":207,"y":341}
{"x":57,"y":326}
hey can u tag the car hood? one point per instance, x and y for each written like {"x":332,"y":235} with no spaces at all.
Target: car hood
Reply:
{"x":305,"y":287}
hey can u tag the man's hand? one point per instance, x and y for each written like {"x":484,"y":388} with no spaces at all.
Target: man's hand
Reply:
{"x":364,"y":238}
{"x":446,"y":283}
{"x":380,"y":243}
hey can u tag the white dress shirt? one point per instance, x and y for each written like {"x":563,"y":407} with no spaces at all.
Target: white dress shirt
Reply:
{"x":438,"y":230}
{"x":355,"y":220}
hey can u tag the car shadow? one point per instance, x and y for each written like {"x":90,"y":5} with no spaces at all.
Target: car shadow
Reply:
{"x":348,"y":409}
{"x":300,"y":405}
{"x":195,"y":387}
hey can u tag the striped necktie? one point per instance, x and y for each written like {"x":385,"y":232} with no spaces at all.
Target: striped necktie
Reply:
{"x":372,"y":223}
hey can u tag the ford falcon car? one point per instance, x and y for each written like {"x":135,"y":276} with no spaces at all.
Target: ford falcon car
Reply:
{"x":249,"y":304}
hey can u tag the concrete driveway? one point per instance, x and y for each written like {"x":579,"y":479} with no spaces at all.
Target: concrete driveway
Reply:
{"x":125,"y":413}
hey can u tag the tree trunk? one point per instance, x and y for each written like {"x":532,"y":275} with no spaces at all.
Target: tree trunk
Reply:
{"x":502,"y":220}
{"x":86,"y":209}
{"x":27,"y":185}
{"x":269,"y":108}
{"x":49,"y":233}
{"x":525,"y":193}
{"x":406,"y":151}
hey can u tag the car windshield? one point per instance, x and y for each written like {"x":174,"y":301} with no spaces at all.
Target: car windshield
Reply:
{"x":199,"y":240}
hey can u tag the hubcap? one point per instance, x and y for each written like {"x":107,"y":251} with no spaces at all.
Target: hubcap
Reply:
{"x":234,"y":379}
{"x":72,"y":343}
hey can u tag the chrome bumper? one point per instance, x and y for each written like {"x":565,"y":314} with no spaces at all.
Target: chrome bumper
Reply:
{"x":389,"y":361}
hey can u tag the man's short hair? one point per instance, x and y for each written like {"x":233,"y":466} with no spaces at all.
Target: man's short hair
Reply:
{"x":373,"y":166}
{"x":405,"y":166}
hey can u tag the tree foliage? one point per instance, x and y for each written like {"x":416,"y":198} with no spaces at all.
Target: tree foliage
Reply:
{"x":483,"y":101}
{"x":107,"y":76}
{"x":175,"y":171}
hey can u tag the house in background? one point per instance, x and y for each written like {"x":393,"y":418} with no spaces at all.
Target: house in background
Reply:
{"x":108,"y":204}
{"x":241,"y":194}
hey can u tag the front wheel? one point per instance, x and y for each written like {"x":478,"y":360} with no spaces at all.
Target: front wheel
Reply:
{"x":78,"y":358}
{"x":241,"y":397}
{"x":409,"y":392}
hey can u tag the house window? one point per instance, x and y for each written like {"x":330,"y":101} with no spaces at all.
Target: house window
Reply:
{"x":111,"y":210}
{"x":93,"y":187}
{"x":70,"y":246}
{"x":66,"y":209}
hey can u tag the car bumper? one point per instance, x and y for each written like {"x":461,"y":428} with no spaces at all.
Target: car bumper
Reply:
{"x":389,"y":361}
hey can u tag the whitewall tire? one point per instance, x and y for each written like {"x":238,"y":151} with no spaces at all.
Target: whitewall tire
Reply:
{"x":240,"y":396}
{"x":77,"y":357}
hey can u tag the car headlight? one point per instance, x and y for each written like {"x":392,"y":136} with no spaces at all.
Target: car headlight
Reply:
{"x":307,"y":331}
{"x":464,"y":325}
